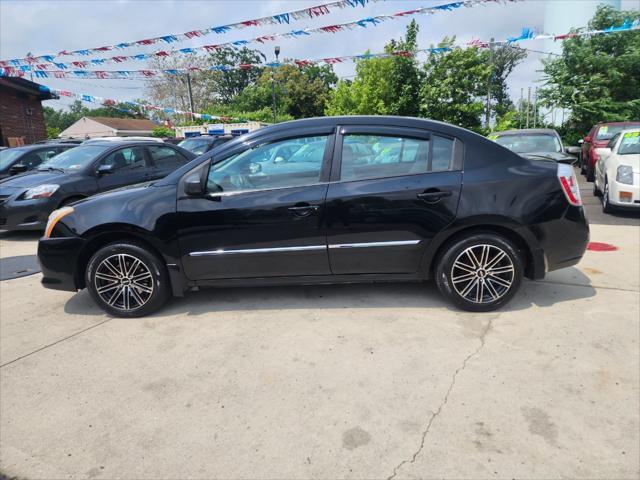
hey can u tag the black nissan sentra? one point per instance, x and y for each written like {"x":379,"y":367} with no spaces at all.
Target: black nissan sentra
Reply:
{"x":326,"y":200}
{"x":27,"y":200}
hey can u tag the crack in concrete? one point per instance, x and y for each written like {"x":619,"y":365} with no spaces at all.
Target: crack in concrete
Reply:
{"x":435,"y":414}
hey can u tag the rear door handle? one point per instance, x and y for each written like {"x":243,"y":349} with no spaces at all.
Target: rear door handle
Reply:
{"x":434,"y":196}
{"x":303,"y":210}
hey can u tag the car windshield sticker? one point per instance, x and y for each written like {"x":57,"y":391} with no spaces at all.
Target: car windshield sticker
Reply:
{"x":604,"y":129}
{"x":633,"y":136}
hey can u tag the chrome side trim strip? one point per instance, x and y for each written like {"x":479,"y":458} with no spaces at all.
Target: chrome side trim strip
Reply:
{"x":397,"y":243}
{"x":258,"y":250}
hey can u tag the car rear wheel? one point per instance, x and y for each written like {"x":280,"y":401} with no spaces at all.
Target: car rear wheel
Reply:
{"x":127,"y":280}
{"x":590,"y":174}
{"x":480,"y":272}
{"x":596,"y":190}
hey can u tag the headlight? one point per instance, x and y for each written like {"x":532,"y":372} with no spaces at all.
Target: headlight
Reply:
{"x":625,"y":174}
{"x":54,"y":218}
{"x":41,"y":191}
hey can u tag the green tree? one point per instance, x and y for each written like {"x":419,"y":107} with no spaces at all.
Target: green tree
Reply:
{"x":455,"y":84}
{"x":382,"y":86}
{"x":163,"y":132}
{"x":597,"y":77}
{"x":301,"y":92}
{"x":504,"y":59}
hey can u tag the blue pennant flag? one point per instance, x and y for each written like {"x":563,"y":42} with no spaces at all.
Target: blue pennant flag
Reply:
{"x":169,"y":38}
{"x":449,"y":6}
{"x":48,"y":58}
{"x":171,"y":72}
{"x":25,"y":68}
{"x":364,"y":21}
{"x":61,"y":66}
{"x":298,"y":33}
{"x":223,"y":29}
{"x":122,"y":73}
{"x":526,"y":33}
{"x":123,"y":45}
{"x":88,"y":98}
{"x":98,"y":61}
{"x":282,"y":18}
{"x":140,"y":56}
{"x":83,"y":52}
{"x":355,"y":3}
{"x":41,"y":74}
{"x":186,"y":50}
{"x":240,"y":42}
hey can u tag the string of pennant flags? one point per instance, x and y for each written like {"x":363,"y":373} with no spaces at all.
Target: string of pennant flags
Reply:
{"x":110,"y":102}
{"x":362,"y":23}
{"x":278,"y":19}
{"x":526,"y":34}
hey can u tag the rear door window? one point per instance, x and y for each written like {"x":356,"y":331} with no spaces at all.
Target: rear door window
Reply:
{"x":166,"y":158}
{"x":367,"y":156}
{"x":126,"y":159}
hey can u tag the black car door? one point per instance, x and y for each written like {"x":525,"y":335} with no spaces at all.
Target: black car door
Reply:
{"x":392,"y":190}
{"x":261,"y":216}
{"x":165,"y":159}
{"x":130,"y":165}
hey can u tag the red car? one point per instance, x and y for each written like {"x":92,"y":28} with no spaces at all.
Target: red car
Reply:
{"x":597,"y":138}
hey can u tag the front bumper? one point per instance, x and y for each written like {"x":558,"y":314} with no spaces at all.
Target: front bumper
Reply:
{"x":26,"y":214}
{"x":625,"y":195}
{"x":58,"y":259}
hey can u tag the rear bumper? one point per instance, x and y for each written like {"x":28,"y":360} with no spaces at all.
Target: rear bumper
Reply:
{"x":58,"y":258}
{"x":564,"y":241}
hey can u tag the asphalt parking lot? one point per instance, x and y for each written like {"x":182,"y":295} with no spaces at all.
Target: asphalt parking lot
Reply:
{"x":363,"y":381}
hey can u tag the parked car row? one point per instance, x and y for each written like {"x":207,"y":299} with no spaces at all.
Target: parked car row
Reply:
{"x":609,"y":156}
{"x":72,"y":173}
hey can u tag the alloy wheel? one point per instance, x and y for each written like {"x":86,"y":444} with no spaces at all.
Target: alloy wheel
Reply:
{"x":482,"y":273}
{"x":124,"y":282}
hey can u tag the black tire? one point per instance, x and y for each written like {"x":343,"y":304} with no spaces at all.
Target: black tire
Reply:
{"x":596,"y":190}
{"x":583,"y":169}
{"x":591,"y":174}
{"x":455,"y":252}
{"x":606,"y":205}
{"x":137,"y":298}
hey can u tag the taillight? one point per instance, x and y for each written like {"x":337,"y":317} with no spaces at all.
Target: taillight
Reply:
{"x":569,"y":184}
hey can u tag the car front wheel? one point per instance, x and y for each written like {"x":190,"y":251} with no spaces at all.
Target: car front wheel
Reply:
{"x":127,"y":280}
{"x":606,"y":205}
{"x":480,"y":272}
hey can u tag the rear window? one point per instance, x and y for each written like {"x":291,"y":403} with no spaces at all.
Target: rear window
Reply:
{"x":530,"y":143}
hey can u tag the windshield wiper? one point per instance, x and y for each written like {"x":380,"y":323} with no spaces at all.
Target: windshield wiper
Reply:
{"x":51,"y":169}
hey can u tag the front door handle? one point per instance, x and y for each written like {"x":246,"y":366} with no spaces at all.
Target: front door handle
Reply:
{"x":304,"y":209}
{"x":434,"y":196}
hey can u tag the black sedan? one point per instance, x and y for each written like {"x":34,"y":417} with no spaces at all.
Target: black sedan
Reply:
{"x":385,"y":199}
{"x":21,"y":159}
{"x":27,"y":200}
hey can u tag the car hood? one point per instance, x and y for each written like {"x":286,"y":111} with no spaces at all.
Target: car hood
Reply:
{"x":116,"y":192}
{"x":32,"y":179}
{"x":559,"y":157}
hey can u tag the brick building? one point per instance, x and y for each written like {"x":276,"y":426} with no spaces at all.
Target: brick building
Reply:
{"x":21,"y":117}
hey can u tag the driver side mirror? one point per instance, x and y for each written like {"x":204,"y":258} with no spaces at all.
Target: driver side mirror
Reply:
{"x":106,"y":169}
{"x":18,"y":168}
{"x":279,"y":160}
{"x":193,"y":186}
{"x":573,"y":150}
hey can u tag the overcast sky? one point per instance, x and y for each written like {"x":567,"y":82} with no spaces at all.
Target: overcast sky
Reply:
{"x":43,"y":27}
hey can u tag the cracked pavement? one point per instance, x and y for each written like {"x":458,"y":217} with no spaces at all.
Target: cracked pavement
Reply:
{"x":328,"y":382}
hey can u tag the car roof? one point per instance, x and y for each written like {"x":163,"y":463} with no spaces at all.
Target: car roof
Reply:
{"x":110,"y":143}
{"x":627,"y":122}
{"x":37,"y":146}
{"x":526,"y":131}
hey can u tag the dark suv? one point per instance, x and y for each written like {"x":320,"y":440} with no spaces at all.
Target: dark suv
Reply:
{"x":326,"y":200}
{"x":26,"y":200}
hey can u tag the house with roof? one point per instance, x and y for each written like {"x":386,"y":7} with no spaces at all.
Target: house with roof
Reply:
{"x":21,"y":116}
{"x":93,"y":127}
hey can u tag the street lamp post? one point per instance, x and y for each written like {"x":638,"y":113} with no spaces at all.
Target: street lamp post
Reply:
{"x":273,"y":85}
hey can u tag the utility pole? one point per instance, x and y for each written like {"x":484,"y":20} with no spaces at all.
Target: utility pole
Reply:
{"x":190,"y":94}
{"x":520,"y":107}
{"x":535,"y":108}
{"x":528,"y":105}
{"x":273,"y":86}
{"x":488,"y":109}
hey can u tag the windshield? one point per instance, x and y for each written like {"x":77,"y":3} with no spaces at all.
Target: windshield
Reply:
{"x":606,"y":132}
{"x":630,"y":144}
{"x":75,"y":158}
{"x":529,"y":143}
{"x":8,"y":156}
{"x":197,"y":146}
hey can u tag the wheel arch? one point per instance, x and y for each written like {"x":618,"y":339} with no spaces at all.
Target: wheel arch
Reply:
{"x":116,"y":233}
{"x":532,"y":255}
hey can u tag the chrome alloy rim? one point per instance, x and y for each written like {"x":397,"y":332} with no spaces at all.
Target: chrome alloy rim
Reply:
{"x":124,"y":282}
{"x":482,"y":273}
